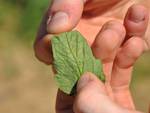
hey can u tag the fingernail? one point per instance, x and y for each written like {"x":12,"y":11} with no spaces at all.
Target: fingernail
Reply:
{"x":136,"y":16}
{"x":49,"y":19}
{"x":56,"y":20}
{"x":84,"y":80}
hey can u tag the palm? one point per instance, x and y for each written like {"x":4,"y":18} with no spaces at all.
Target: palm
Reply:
{"x":117,"y":50}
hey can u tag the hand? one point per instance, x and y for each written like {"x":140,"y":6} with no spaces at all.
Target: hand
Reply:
{"x":92,"y":97}
{"x":88,"y":17}
{"x":117,"y":45}
{"x":118,"y":56}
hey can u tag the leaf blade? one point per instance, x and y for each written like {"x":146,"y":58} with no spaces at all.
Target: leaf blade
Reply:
{"x":73,"y":57}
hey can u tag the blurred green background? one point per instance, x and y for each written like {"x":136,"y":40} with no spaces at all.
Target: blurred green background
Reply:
{"x":26,"y":85}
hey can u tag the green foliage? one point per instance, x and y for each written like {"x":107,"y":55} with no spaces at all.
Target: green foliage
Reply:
{"x":29,"y":18}
{"x":72,"y":58}
{"x":16,"y":2}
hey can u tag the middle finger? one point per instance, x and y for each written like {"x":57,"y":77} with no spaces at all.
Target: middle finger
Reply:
{"x":106,"y":44}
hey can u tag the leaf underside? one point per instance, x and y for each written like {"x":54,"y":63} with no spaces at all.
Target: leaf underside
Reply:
{"x":72,"y":58}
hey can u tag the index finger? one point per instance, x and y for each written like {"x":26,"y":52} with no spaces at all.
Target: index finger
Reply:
{"x":62,"y":16}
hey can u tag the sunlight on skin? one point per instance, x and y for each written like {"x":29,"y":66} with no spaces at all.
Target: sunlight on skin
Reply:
{"x":118,"y":54}
{"x":95,"y":23}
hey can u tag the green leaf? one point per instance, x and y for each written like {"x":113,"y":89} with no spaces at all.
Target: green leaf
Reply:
{"x":72,"y":58}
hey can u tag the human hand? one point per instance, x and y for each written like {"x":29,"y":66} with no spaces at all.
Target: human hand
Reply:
{"x":95,"y":14}
{"x":92,"y":97}
{"x":118,"y":53}
{"x":118,"y":56}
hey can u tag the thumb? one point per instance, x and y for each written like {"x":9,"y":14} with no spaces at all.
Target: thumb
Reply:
{"x":89,"y":91}
{"x":92,"y":97}
{"x":89,"y":81}
{"x":64,"y":15}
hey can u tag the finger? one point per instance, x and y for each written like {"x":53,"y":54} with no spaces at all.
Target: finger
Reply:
{"x":64,"y":103}
{"x":64,"y":15}
{"x":122,"y":70}
{"x":88,"y":88}
{"x":107,"y":43}
{"x":92,"y":96}
{"x":43,"y":49}
{"x":89,"y":78}
{"x":136,"y":21}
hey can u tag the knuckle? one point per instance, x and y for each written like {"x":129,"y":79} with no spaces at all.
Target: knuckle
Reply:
{"x":117,"y":27}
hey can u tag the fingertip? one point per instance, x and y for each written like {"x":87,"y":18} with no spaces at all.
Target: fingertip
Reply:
{"x":58,"y":23}
{"x":137,"y":13}
{"x":89,"y":81}
{"x":64,"y":15}
{"x":88,"y":87}
{"x":43,"y":50}
{"x":85,"y":79}
{"x":136,"y":20}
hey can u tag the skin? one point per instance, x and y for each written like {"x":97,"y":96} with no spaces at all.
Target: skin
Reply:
{"x":116,"y":39}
